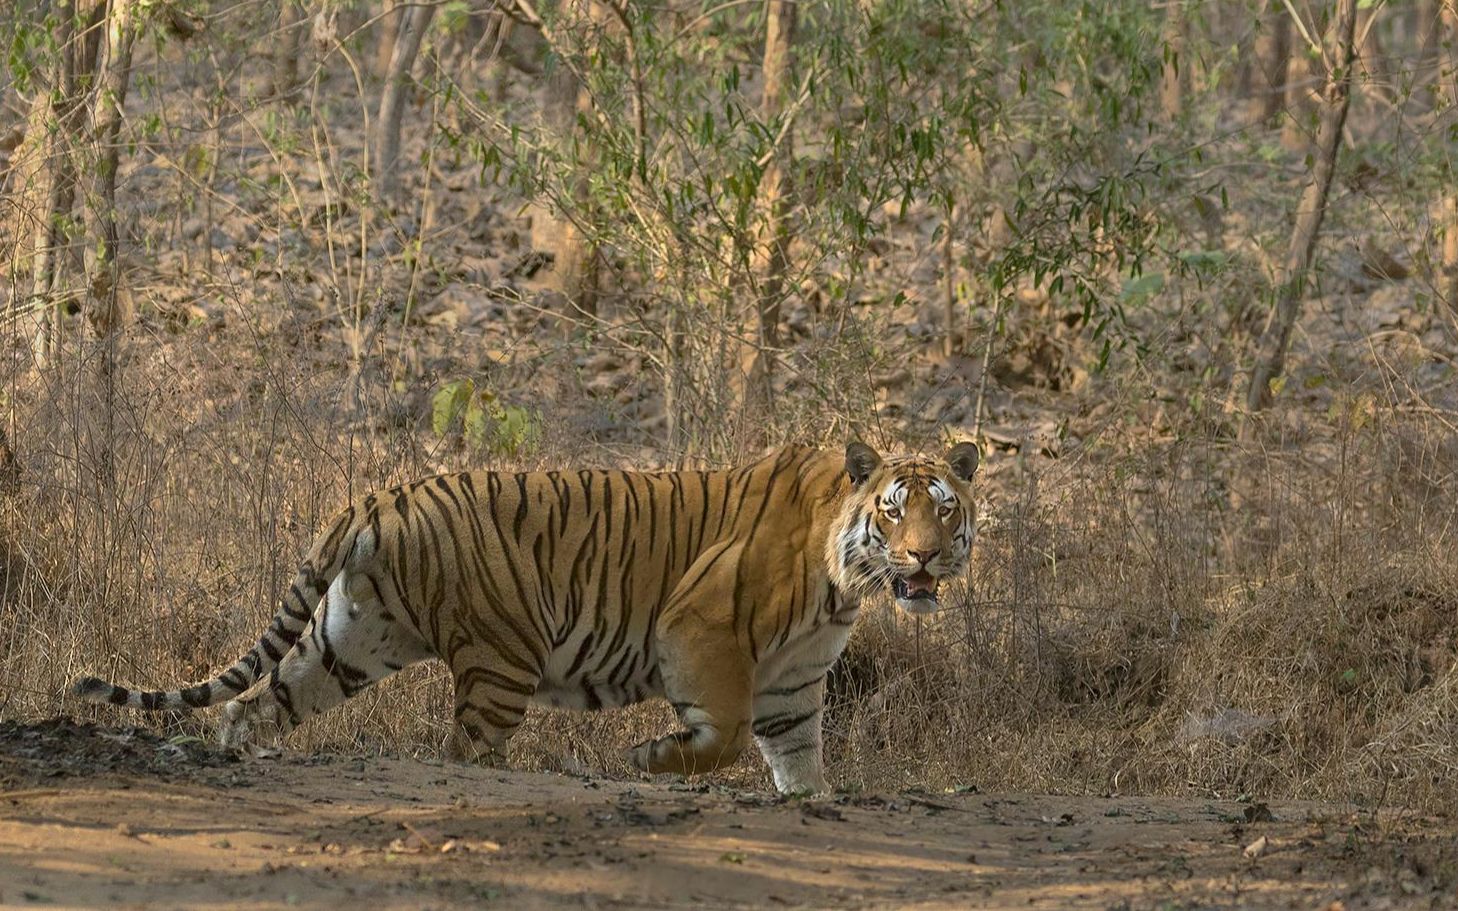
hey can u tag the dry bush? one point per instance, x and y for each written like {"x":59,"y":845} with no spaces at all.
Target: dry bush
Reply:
{"x":1153,"y":607}
{"x":1190,"y":616}
{"x":1107,"y":645}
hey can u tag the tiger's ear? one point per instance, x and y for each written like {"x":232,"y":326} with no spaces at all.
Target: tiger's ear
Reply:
{"x":962,"y":459}
{"x":860,"y":461}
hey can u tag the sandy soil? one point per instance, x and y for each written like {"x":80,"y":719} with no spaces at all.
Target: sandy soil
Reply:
{"x":115,"y":818}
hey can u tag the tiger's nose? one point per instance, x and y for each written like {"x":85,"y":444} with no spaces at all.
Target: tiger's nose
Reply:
{"x":925,"y":556}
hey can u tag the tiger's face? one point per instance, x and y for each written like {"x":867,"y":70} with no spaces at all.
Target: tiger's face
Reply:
{"x":908,"y":524}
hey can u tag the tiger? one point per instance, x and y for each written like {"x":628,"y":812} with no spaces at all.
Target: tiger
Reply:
{"x":731,"y":593}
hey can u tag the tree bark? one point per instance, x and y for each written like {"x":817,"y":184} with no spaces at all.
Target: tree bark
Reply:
{"x":1448,"y":275}
{"x":574,"y":277}
{"x":413,"y":24}
{"x":390,"y":18}
{"x":1272,"y":53}
{"x":1299,"y":105}
{"x":287,"y":47}
{"x":1340,"y":56}
{"x":1172,"y":79}
{"x":50,"y":259}
{"x":775,"y":194}
{"x":1431,"y":15}
{"x":114,"y":78}
{"x":1377,"y":77}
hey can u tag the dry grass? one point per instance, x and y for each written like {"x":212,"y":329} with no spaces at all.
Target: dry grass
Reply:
{"x":1158,"y":609}
{"x":1315,"y":654}
{"x":1177,"y":617}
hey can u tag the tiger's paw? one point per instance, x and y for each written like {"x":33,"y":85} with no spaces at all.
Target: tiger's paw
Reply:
{"x":465,"y":748}
{"x":641,"y":756}
{"x":799,"y":779}
{"x":248,"y":724}
{"x":804,"y":790}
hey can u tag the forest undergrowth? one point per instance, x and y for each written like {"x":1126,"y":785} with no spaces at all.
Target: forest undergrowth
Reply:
{"x":1171,"y":592}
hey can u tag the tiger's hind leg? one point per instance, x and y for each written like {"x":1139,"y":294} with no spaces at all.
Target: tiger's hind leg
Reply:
{"x":706,"y":673}
{"x":494,"y":681}
{"x":355,"y":639}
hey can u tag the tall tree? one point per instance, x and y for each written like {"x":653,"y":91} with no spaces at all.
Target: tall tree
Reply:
{"x":1301,"y":79}
{"x":1448,"y":284}
{"x":414,"y":22}
{"x":1338,"y":57}
{"x":54,"y":115}
{"x":574,"y":276}
{"x":1174,"y":74}
{"x":286,"y":48}
{"x":1271,"y":53}
{"x":774,"y":190}
{"x":114,"y":71}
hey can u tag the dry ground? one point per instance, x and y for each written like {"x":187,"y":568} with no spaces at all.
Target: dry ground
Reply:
{"x":118,"y":818}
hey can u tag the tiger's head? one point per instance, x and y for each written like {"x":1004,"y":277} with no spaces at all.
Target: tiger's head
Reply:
{"x":907,"y":524}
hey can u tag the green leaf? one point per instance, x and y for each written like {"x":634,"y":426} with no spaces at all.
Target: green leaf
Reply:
{"x":476,"y":425}
{"x":448,"y":403}
{"x":1143,"y":286}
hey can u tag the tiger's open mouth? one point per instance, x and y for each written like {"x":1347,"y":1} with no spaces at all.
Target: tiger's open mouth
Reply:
{"x":916,"y":593}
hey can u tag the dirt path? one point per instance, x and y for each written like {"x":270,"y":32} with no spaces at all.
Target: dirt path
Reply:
{"x":95,"y":818}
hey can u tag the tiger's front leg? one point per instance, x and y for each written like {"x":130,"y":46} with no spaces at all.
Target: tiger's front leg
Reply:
{"x":787,"y":728}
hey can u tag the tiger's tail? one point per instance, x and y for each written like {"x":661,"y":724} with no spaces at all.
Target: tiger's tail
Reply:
{"x":326,"y":559}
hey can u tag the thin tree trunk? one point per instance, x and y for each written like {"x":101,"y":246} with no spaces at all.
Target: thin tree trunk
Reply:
{"x":574,"y":276}
{"x":1376,"y":75}
{"x":1448,"y":276}
{"x":1430,"y":24}
{"x":1340,"y":57}
{"x":581,"y":275}
{"x":1172,"y":80}
{"x":1272,"y":54}
{"x":413,"y":25}
{"x":390,"y":18}
{"x":104,"y":289}
{"x":1299,"y":105}
{"x":949,"y":280}
{"x":287,"y":47}
{"x":775,"y":194}
{"x":114,"y":78}
{"x":50,"y":258}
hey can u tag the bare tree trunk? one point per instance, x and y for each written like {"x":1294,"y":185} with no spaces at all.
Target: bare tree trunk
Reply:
{"x":104,"y":288}
{"x":775,"y":199}
{"x":287,"y":47}
{"x":390,"y":17}
{"x":413,"y":25}
{"x":1376,"y":75}
{"x":579,"y":263}
{"x":1340,"y":56}
{"x":114,"y":78}
{"x":1272,"y":54}
{"x":1430,"y":15}
{"x":1173,"y":77}
{"x":574,"y":277}
{"x":50,"y":259}
{"x":949,"y":280}
{"x":1299,"y":105}
{"x":1448,"y":275}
